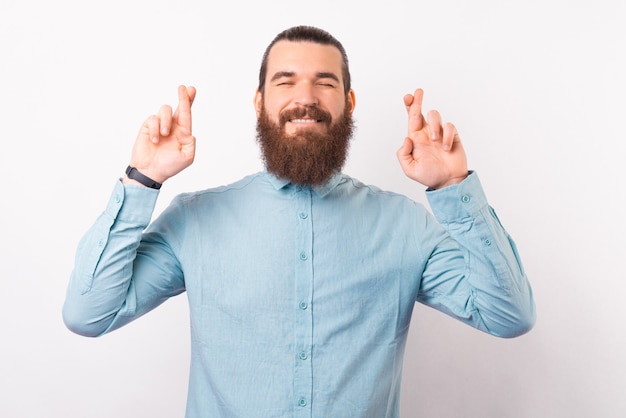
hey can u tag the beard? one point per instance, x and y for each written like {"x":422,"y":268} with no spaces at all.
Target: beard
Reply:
{"x":305,"y":158}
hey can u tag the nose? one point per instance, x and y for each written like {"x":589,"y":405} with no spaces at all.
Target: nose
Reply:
{"x":305,"y":95}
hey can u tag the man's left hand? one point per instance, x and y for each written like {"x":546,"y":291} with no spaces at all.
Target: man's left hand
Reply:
{"x":432,"y":153}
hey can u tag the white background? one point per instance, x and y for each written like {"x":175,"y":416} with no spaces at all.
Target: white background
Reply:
{"x":536,"y":89}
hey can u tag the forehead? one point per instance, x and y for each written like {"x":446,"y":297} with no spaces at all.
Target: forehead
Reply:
{"x":302,"y":57}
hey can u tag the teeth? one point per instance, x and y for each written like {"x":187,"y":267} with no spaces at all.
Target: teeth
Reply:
{"x":303,"y":121}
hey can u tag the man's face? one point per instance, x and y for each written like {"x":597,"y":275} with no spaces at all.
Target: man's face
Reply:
{"x":304,"y":117}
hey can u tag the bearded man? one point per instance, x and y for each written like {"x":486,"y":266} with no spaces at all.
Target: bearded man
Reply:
{"x":301,"y":280}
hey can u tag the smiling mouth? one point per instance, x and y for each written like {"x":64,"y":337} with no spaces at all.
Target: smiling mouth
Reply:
{"x":304,"y":121}
{"x":305,"y":117}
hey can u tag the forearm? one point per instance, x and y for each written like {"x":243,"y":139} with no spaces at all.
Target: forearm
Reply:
{"x":100,"y":284}
{"x":497,"y":287}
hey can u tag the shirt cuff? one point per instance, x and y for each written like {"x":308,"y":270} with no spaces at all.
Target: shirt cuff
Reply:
{"x":131,"y":203}
{"x":458,"y":201}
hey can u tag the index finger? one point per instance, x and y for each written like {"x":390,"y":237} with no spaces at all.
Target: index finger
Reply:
{"x":183,"y":111}
{"x":414,"y":110}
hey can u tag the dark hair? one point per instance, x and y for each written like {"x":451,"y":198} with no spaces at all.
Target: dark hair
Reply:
{"x":306,"y":34}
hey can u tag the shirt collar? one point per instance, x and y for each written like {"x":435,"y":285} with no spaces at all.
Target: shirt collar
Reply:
{"x":321,"y":190}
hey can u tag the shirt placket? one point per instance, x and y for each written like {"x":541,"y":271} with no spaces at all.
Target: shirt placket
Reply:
{"x":303,"y":373}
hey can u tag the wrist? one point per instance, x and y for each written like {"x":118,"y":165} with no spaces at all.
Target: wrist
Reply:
{"x":450,"y":182}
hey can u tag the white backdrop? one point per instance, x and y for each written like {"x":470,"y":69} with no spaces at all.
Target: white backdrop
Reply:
{"x":536,"y":89}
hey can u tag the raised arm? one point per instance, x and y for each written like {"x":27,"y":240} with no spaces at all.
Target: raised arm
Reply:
{"x":483,"y":284}
{"x":119,"y":273}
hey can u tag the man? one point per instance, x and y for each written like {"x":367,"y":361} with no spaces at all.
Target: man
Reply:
{"x":301,"y":280}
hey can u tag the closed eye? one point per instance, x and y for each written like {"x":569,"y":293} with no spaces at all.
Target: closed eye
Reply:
{"x":327,"y":79}
{"x":282,"y":78}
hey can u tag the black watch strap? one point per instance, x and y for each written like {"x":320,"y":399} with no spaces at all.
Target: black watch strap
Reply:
{"x":133,"y":173}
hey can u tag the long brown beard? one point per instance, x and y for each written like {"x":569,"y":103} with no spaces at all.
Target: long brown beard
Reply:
{"x":306,"y":158}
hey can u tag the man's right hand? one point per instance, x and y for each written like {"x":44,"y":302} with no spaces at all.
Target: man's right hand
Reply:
{"x":164,"y":146}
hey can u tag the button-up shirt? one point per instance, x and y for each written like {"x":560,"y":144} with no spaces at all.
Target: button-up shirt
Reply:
{"x":300,"y":298}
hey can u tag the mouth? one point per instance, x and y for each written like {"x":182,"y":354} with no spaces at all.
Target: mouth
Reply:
{"x":305,"y":116}
{"x":304,"y":121}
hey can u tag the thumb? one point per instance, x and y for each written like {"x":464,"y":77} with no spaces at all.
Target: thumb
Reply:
{"x":406,"y":149}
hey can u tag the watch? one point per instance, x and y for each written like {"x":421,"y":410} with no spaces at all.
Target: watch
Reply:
{"x":133,"y":173}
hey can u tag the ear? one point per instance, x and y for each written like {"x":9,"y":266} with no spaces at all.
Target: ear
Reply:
{"x":258,"y":102}
{"x":351,"y":100}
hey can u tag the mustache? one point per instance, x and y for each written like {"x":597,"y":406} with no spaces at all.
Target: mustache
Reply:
{"x":312,"y":112}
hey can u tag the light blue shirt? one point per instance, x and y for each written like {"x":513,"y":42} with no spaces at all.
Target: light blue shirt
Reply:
{"x":300,"y":298}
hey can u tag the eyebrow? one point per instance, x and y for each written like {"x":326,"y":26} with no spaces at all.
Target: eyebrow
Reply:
{"x":281,"y":74}
{"x":328,"y":75}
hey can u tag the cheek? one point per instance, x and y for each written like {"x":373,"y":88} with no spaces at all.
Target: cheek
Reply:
{"x":337,"y":112}
{"x":273,"y":109}
{"x":335,"y":104}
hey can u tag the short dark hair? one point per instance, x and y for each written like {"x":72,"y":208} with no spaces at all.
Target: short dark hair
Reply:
{"x":306,"y":34}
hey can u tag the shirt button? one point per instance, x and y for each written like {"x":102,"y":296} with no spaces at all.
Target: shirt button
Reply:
{"x":487,"y":242}
{"x":303,"y":355}
{"x":303,"y":305}
{"x":303,"y":215}
{"x":465,"y":199}
{"x":303,"y":256}
{"x":302,"y":402}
